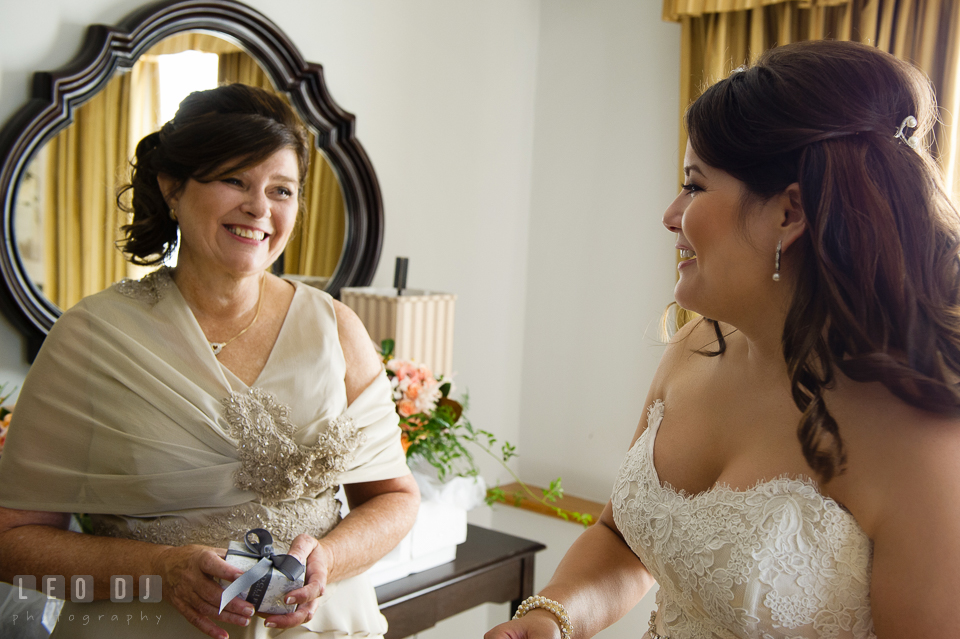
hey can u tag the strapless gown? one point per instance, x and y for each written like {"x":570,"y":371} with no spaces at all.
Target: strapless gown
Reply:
{"x":779,"y":560}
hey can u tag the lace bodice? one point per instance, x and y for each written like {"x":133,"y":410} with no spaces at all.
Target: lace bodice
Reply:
{"x":779,"y":560}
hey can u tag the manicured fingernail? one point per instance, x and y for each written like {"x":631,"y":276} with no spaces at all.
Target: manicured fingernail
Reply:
{"x":246,"y":622}
{"x":249,"y":611}
{"x":270,"y":624}
{"x":291,"y":600}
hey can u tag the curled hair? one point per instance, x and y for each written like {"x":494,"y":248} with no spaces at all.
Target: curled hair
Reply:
{"x":215,"y":133}
{"x":878,"y":273}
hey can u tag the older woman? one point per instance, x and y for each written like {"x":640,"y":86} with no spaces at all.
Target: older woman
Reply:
{"x":796,"y":472}
{"x":182,"y":410}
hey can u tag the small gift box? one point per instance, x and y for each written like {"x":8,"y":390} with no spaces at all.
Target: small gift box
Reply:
{"x":267,"y":577}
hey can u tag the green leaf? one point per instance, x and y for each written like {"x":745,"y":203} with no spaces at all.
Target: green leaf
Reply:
{"x":496,"y":494}
{"x":386,"y":348}
{"x":85,"y":524}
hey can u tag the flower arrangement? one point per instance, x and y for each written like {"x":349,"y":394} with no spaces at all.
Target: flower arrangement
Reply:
{"x":5,"y":415}
{"x":436,"y":431}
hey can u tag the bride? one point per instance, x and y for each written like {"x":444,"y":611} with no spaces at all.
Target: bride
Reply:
{"x":796,"y":473}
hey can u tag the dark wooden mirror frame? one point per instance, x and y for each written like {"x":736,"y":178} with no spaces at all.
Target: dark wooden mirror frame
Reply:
{"x":105,"y":49}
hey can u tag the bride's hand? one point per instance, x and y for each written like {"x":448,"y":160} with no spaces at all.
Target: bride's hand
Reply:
{"x":189,"y":576}
{"x":536,"y":624}
{"x":317,"y":560}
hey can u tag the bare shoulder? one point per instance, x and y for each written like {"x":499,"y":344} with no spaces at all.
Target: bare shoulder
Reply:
{"x":916,"y":564}
{"x":362,"y":360}
{"x":351,"y":329}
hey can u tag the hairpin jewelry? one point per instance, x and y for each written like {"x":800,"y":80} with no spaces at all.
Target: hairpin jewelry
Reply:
{"x":909,"y":122}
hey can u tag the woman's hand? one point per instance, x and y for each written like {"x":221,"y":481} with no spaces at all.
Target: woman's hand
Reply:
{"x":536,"y":624}
{"x":317,"y":559}
{"x":190,"y":575}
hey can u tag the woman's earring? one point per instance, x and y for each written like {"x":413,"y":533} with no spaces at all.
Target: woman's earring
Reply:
{"x":173,"y":214}
{"x":776,"y":261}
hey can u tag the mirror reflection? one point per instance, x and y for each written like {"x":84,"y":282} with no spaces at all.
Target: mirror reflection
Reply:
{"x":66,"y":219}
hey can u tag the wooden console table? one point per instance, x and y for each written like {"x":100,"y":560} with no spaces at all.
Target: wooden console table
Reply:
{"x":490,"y":567}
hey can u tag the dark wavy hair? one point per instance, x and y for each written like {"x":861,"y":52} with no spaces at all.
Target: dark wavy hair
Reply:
{"x":879,"y":274}
{"x":215,"y":133}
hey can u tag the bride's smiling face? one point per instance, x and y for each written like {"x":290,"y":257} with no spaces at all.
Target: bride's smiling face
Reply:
{"x":722,"y":239}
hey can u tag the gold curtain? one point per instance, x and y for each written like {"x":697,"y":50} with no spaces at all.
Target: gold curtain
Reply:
{"x":86,"y":164}
{"x":315,"y":249}
{"x":720,"y":35}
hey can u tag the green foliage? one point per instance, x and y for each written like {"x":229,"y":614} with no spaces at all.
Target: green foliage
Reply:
{"x":85,"y":524}
{"x":386,"y":349}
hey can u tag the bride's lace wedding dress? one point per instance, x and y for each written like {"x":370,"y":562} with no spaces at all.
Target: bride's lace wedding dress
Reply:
{"x":779,"y":560}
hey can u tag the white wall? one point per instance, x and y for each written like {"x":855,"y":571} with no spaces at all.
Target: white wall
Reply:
{"x":525,"y":150}
{"x":600,"y":263}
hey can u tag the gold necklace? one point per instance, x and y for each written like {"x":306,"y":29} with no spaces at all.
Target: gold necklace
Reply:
{"x":218,"y":346}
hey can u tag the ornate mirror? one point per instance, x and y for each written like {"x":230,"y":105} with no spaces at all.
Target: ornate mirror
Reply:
{"x":66,"y":151}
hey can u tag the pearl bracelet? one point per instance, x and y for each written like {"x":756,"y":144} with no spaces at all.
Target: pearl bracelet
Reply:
{"x":536,"y":601}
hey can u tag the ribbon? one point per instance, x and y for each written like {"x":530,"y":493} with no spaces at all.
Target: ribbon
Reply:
{"x":288,"y":565}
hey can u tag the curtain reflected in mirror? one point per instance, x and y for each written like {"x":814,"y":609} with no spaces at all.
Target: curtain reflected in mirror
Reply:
{"x":67,"y":221}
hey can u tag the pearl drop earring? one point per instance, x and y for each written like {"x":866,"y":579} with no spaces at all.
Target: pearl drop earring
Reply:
{"x":776,"y":261}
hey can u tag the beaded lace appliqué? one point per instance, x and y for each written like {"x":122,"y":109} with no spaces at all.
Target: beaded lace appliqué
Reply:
{"x":218,"y":527}
{"x":272,"y":463}
{"x":776,"y":561}
{"x":150,"y":288}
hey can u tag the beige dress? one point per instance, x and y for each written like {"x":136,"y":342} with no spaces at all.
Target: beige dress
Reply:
{"x":127,"y":415}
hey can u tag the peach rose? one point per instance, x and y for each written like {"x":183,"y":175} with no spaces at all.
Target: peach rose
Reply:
{"x":406,"y":408}
{"x":413,"y":390}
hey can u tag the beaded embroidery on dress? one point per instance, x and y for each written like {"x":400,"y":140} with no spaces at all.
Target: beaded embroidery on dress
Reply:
{"x":150,"y":288}
{"x":779,"y":560}
{"x":273,"y":464}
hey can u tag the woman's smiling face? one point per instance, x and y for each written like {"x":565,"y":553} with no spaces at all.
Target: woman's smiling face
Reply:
{"x":725,"y":261}
{"x":239,"y":224}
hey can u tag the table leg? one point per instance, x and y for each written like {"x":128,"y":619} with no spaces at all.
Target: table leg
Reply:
{"x":526,"y":583}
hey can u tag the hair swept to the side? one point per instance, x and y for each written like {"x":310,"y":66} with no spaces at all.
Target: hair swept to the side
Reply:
{"x":878,"y":290}
{"x":215,"y":133}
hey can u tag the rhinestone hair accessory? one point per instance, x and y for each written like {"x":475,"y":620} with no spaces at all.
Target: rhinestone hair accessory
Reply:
{"x":912,"y":141}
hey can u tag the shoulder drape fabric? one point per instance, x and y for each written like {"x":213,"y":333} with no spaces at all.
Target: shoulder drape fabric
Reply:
{"x":122,"y":412}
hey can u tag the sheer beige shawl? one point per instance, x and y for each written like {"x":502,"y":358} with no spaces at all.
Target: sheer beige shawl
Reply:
{"x":123,"y":411}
